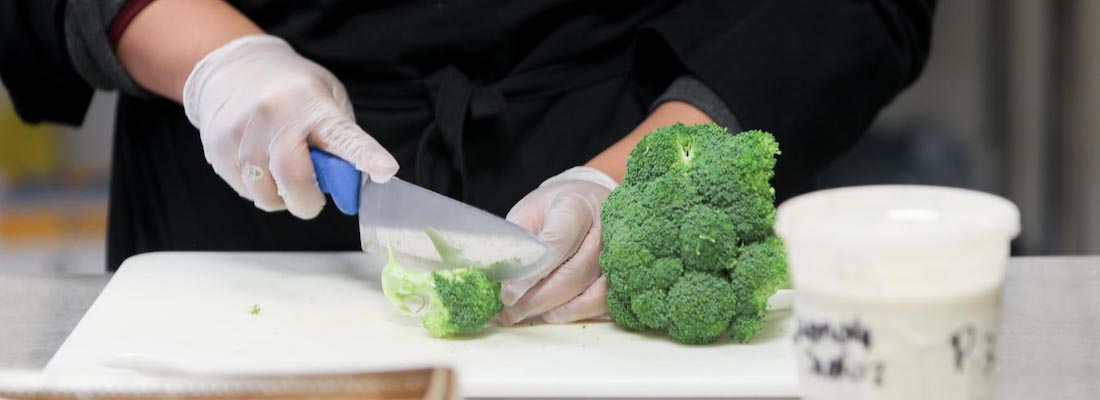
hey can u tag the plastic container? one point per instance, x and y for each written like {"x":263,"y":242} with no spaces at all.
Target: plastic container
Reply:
{"x":897,"y":290}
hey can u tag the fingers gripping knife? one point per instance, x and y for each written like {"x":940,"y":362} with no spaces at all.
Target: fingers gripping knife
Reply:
{"x":402,"y":214}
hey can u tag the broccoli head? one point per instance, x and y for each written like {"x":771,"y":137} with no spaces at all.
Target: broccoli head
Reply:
{"x":688,"y":241}
{"x":452,"y":302}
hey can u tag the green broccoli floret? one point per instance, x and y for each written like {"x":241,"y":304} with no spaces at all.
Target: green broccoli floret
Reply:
{"x":651,"y":307}
{"x":688,"y":241}
{"x":657,"y":275}
{"x":761,"y":271}
{"x":700,"y":307}
{"x":623,"y":257}
{"x":618,"y":307}
{"x":708,"y":240}
{"x":671,"y":153}
{"x":452,"y":302}
{"x":753,"y":216}
{"x":645,"y":220}
{"x":735,"y":174}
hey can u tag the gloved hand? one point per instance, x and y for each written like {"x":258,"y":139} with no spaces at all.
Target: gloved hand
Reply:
{"x":259,"y":106}
{"x":565,"y":213}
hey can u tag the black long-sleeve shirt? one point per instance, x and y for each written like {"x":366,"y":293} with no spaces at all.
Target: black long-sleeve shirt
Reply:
{"x":482,"y":100}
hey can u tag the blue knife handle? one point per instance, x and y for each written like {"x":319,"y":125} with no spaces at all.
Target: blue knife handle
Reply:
{"x":338,"y":178}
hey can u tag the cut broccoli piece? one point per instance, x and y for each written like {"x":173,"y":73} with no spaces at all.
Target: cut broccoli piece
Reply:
{"x":451,"y":302}
{"x":696,"y":205}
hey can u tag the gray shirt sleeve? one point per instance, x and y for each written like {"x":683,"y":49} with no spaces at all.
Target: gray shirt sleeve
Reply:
{"x":86,"y":23}
{"x":690,"y":90}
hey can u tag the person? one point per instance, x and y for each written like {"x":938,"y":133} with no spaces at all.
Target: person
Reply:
{"x":525,"y":109}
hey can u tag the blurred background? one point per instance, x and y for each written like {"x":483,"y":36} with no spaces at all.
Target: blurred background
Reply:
{"x":1009,"y":103}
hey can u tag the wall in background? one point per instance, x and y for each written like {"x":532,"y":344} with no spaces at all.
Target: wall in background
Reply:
{"x":53,"y":191}
{"x":950,"y":96}
{"x":1076,"y":119}
{"x":1010,"y":104}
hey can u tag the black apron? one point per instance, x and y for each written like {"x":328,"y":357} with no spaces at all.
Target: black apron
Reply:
{"x":482,"y":100}
{"x":478,"y":100}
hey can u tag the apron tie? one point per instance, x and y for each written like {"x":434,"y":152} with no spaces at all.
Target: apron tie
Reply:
{"x":440,"y":164}
{"x":455,"y":99}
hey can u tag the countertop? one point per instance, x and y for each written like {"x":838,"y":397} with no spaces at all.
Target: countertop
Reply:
{"x":1049,"y":345}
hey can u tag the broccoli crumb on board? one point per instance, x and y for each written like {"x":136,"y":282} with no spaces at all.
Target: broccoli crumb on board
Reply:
{"x":255,"y":310}
{"x":688,"y":239}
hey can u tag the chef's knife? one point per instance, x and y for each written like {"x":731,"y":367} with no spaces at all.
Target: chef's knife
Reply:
{"x":427,"y":229}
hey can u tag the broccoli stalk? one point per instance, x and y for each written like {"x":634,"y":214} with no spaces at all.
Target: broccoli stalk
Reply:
{"x":452,"y":302}
{"x":688,"y":241}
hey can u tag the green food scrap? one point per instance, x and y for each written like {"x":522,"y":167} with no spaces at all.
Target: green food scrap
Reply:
{"x":255,"y":309}
{"x":451,"y":302}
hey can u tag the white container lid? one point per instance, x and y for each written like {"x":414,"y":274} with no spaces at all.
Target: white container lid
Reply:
{"x":898,"y":216}
{"x":897,"y":239}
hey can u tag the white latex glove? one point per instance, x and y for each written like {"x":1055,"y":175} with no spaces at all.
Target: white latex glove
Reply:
{"x":565,"y":213}
{"x":259,"y":106}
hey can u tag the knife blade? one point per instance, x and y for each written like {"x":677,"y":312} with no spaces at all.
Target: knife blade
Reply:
{"x":428,"y":230}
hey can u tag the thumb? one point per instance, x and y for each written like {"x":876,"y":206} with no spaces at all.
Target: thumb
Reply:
{"x":335,"y":131}
{"x":567,"y":220}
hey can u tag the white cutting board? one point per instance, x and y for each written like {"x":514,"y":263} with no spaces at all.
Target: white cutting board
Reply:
{"x":326,"y":311}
